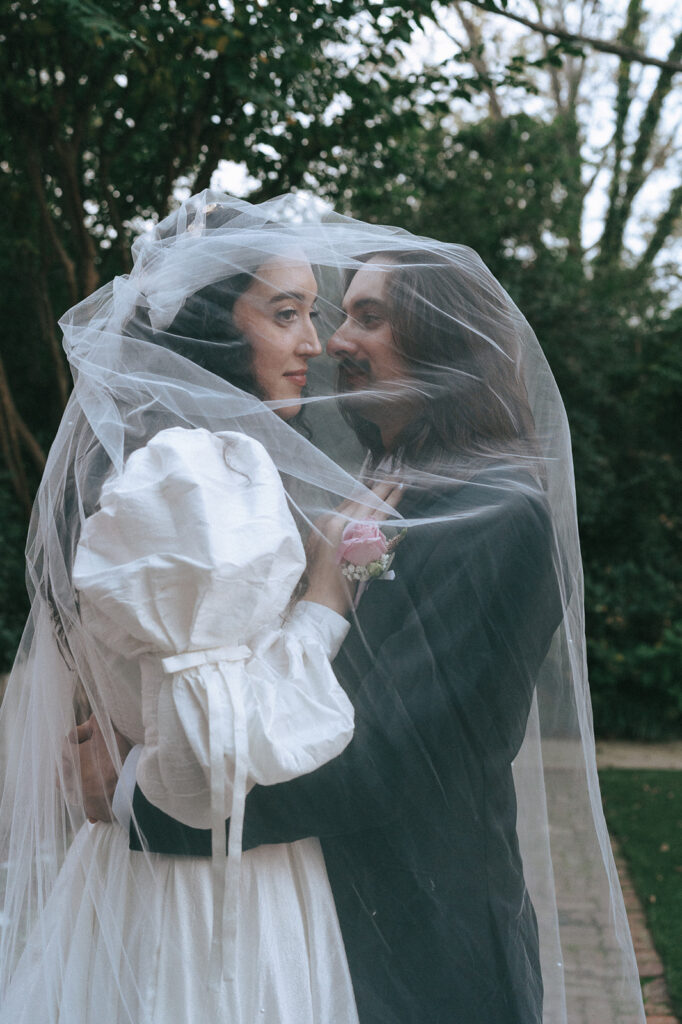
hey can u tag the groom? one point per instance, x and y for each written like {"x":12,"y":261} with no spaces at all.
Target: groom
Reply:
{"x":417,"y":816}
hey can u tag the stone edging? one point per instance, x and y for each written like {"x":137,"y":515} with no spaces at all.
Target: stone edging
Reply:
{"x":657,"y":1004}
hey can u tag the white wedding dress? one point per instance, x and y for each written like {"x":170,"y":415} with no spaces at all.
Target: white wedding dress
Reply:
{"x":185,"y":575}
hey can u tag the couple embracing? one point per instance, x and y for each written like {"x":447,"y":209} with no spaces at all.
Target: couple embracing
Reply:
{"x":327,"y":639}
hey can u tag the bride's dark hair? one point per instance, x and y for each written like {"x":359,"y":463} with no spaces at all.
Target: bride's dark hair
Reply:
{"x":203,"y":331}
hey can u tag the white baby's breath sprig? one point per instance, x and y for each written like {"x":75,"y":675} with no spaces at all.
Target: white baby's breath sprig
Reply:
{"x":378,"y":568}
{"x":372,"y":571}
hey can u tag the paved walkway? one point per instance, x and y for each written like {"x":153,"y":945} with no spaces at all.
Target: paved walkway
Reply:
{"x":617,"y":754}
{"x":656,"y":1000}
{"x":659,"y":756}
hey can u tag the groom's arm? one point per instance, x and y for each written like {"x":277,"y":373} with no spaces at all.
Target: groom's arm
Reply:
{"x":458,"y":670}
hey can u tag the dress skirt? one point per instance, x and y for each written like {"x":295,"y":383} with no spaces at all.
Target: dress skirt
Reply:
{"x":126,"y":937}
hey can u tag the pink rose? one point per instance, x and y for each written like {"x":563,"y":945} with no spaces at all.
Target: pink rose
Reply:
{"x":361,"y":543}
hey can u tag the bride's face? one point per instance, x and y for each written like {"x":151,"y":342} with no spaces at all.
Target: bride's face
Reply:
{"x":275,"y":314}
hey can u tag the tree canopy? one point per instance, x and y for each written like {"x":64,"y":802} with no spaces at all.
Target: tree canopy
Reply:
{"x":110,"y":112}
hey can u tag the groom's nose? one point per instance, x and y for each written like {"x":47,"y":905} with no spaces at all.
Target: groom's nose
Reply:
{"x":340,"y":345}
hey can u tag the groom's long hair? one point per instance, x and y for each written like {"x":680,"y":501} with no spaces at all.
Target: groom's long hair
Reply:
{"x":458,"y":337}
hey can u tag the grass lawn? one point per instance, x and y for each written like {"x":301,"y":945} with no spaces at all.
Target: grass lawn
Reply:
{"x":644,"y":811}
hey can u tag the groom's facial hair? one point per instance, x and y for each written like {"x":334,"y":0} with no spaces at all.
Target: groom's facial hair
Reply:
{"x":353,"y":374}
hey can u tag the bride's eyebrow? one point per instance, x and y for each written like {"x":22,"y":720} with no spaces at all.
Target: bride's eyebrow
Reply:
{"x":297,"y":296}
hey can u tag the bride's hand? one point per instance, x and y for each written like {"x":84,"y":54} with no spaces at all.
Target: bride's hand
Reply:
{"x":326,"y":583}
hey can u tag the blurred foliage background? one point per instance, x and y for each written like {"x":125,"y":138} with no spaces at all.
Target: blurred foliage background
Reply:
{"x":559,"y":162}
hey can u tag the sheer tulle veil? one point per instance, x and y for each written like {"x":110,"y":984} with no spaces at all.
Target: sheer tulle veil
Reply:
{"x":145,"y":359}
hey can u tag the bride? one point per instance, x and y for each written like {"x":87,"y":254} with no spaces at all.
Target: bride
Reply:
{"x":167,"y":561}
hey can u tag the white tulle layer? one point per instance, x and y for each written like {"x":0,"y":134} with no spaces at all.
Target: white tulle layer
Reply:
{"x":125,"y":939}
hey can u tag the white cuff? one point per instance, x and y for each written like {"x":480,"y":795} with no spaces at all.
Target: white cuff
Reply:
{"x":122,"y":804}
{"x":323,"y":624}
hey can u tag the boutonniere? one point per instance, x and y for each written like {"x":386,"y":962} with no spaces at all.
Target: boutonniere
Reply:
{"x":365,"y":553}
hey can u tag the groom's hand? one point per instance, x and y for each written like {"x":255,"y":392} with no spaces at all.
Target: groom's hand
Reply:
{"x":98,"y":772}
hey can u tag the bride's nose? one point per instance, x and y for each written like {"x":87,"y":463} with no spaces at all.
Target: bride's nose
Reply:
{"x":309,"y":343}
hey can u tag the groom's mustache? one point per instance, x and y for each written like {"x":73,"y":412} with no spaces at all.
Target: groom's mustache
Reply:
{"x":352,"y":372}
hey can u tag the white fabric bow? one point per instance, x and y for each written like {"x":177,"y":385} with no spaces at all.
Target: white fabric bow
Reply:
{"x":225,"y":876}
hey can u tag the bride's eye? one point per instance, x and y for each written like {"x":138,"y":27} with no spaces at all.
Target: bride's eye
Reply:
{"x":286,"y":315}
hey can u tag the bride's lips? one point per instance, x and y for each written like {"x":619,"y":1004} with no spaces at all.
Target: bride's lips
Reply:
{"x":299,"y":377}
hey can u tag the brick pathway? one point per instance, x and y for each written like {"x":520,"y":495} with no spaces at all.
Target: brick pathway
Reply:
{"x":615,"y":754}
{"x":590,"y":960}
{"x":656,"y":1001}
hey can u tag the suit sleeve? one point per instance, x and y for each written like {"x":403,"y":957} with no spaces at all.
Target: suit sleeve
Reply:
{"x":455,"y":673}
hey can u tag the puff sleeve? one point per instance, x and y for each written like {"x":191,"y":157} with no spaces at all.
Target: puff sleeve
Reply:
{"x":189,"y":565}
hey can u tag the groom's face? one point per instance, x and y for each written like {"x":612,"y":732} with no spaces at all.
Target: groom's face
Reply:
{"x":369,"y":366}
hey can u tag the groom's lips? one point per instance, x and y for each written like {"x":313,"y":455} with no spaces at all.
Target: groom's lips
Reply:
{"x":352,"y":376}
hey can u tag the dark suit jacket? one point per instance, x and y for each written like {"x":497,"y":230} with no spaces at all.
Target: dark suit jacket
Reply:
{"x":417,"y":816}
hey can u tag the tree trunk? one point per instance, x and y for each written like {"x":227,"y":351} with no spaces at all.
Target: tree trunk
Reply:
{"x":13,"y":434}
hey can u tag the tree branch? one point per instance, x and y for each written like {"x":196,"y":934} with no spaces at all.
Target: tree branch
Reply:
{"x":628,"y":53}
{"x":107,"y":198}
{"x":598,"y":168}
{"x":209,"y":163}
{"x":34,"y":450}
{"x":477,"y":59}
{"x":13,"y":431}
{"x":35,"y":177}
{"x":645,"y":137}
{"x":610,"y":240}
{"x":47,"y":320}
{"x":553,"y":71}
{"x":69,"y":157}
{"x":575,"y":71}
{"x":662,"y":231}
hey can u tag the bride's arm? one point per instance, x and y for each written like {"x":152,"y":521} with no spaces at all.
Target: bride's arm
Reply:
{"x":313,"y":630}
{"x":202,"y":605}
{"x":295,"y":716}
